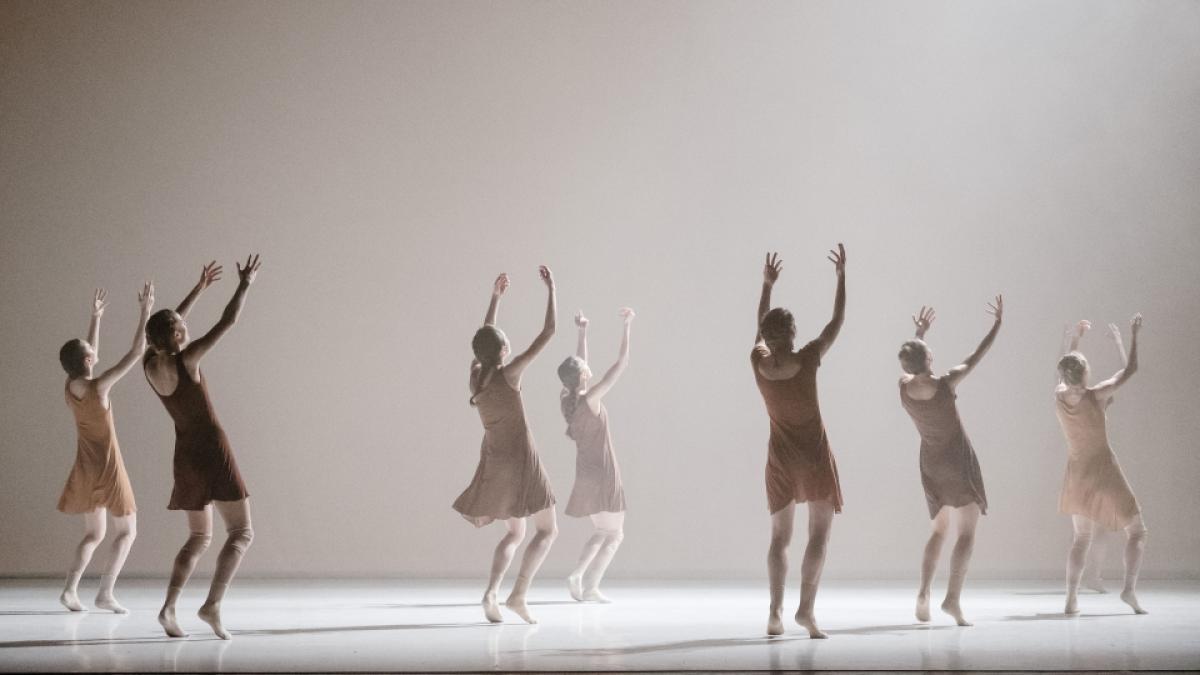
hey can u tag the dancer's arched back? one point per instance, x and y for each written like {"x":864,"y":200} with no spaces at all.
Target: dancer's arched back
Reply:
{"x":204,"y":468}
{"x":98,"y":483}
{"x":598,"y":493}
{"x":800,"y":464}
{"x":509,"y":483}
{"x":949,"y":469}
{"x":1095,"y":492}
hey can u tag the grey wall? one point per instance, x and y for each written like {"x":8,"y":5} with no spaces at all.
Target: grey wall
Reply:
{"x":389,"y":159}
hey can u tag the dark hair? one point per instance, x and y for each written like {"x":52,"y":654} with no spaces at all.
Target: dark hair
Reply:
{"x":568,"y":372}
{"x":158,"y":328}
{"x":488,"y":345}
{"x":913,"y":356}
{"x":778,"y":325}
{"x":71,"y":357}
{"x":1071,"y":368}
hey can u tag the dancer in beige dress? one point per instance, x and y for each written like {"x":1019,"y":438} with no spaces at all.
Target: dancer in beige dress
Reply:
{"x":509,"y":482}
{"x":1095,"y":493}
{"x":98,"y":483}
{"x":949,"y":469}
{"x":598,"y":493}
{"x":800,"y":464}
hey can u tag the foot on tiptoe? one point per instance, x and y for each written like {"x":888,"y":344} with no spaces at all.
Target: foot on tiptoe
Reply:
{"x":952,"y":608}
{"x":491,"y":609}
{"x":109,"y":602}
{"x":923,"y":607}
{"x":594,"y":595}
{"x":517,"y":604}
{"x":166,"y":618}
{"x":70,"y":600}
{"x":1129,"y":598}
{"x":575,"y":587}
{"x":809,"y":623}
{"x":211,"y":615}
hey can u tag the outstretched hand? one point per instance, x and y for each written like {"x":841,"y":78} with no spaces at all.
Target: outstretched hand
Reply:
{"x":209,"y":275}
{"x":1082,"y":327}
{"x":500,"y":285}
{"x":838,"y":258}
{"x":627,"y":314}
{"x":923,"y":320}
{"x":146,"y":298}
{"x":247,"y":273}
{"x":580,"y":320}
{"x":546,"y":276}
{"x":996,"y":308}
{"x":772,"y":269}
{"x":99,"y":302}
{"x":1114,"y":332}
{"x":1135,"y":324}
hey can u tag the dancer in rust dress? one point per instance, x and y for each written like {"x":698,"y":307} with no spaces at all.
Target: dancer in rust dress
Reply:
{"x":98,"y":483}
{"x":509,"y":483}
{"x":598,"y":493}
{"x":204,"y":467}
{"x":800,"y":465}
{"x":949,"y":469}
{"x":1095,"y":493}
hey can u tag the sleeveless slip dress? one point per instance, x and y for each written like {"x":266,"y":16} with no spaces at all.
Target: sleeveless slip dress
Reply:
{"x":949,"y":468}
{"x":1094,"y":485}
{"x":597,"y":476}
{"x":98,"y":477}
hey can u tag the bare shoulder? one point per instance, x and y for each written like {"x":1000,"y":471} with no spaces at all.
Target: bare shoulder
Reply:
{"x":906,"y":378}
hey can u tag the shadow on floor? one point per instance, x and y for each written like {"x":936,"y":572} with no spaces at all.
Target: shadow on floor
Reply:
{"x":39,"y":612}
{"x":431,"y":605}
{"x":1060,"y":592}
{"x":682,"y":645}
{"x":1059,"y":616}
{"x":880,"y":630}
{"x":103,"y":642}
{"x":318,"y":630}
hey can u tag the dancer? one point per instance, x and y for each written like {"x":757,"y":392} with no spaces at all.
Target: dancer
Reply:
{"x":509,"y":483}
{"x":800,"y":465}
{"x":98,"y":483}
{"x":1095,"y":492}
{"x":598,"y":493}
{"x":204,"y":467}
{"x":949,"y":469}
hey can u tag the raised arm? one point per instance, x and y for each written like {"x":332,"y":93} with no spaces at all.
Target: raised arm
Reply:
{"x":1114,"y":332}
{"x":829,"y":334}
{"x":1074,"y":334}
{"x":210,"y":274}
{"x":498,"y":288}
{"x":598,"y":390}
{"x":581,"y":322}
{"x":99,"y":303}
{"x":1108,"y":387}
{"x":514,"y":369}
{"x":111,"y":376}
{"x":957,"y":373}
{"x":198,"y":348}
{"x":923,"y":320}
{"x":771,"y":272}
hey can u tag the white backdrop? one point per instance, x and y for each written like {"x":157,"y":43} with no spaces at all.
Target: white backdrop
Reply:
{"x":389,"y":159}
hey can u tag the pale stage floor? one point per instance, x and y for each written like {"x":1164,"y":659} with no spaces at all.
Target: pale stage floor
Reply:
{"x":393,"y":625}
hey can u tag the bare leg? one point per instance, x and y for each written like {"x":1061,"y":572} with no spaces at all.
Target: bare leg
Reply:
{"x":1093,"y":570}
{"x":960,"y":559}
{"x":933,"y":549}
{"x":545,"y":532}
{"x":93,"y":534}
{"x":820,"y":522}
{"x":590,"y":549}
{"x":239,"y":536}
{"x":199,"y":537}
{"x":1085,"y":529}
{"x":1135,"y":545}
{"x":612,"y":526}
{"x":777,"y":564}
{"x":501,"y":559}
{"x":126,"y":532}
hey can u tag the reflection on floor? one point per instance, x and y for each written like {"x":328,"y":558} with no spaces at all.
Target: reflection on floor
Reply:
{"x":392,"y":625}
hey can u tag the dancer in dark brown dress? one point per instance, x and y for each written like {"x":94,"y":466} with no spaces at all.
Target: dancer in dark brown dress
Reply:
{"x":204,"y":467}
{"x":800,"y":464}
{"x":598,"y":493}
{"x":949,"y":469}
{"x":1095,"y":492}
{"x":98,"y":483}
{"x":509,"y":483}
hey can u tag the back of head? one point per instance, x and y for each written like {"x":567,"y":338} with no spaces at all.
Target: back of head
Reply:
{"x":158,"y":329}
{"x":488,"y":347}
{"x":914,"y":356}
{"x":1072,"y":368}
{"x":569,"y":372}
{"x":778,"y":326}
{"x":71,"y":357}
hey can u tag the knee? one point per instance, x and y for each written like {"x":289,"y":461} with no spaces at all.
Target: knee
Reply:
{"x":240,"y":538}
{"x":92,"y":538}
{"x":1137,"y":533}
{"x":197,"y":543}
{"x":779,"y":544}
{"x":513,"y":538}
{"x":548,"y":532}
{"x":965,"y":539}
{"x":126,"y":536}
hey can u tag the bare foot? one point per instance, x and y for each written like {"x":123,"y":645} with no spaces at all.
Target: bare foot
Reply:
{"x":166,"y":618}
{"x":490,"y":609}
{"x":594,"y":595}
{"x":952,"y":608}
{"x":1096,"y":585}
{"x":1129,"y":598}
{"x":775,"y":623}
{"x":923,"y":607}
{"x":575,"y":587}
{"x":517,"y":604}
{"x":211,"y":615}
{"x":70,"y":600}
{"x":107,"y":601}
{"x":809,"y":623}
{"x":1072,"y":604}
